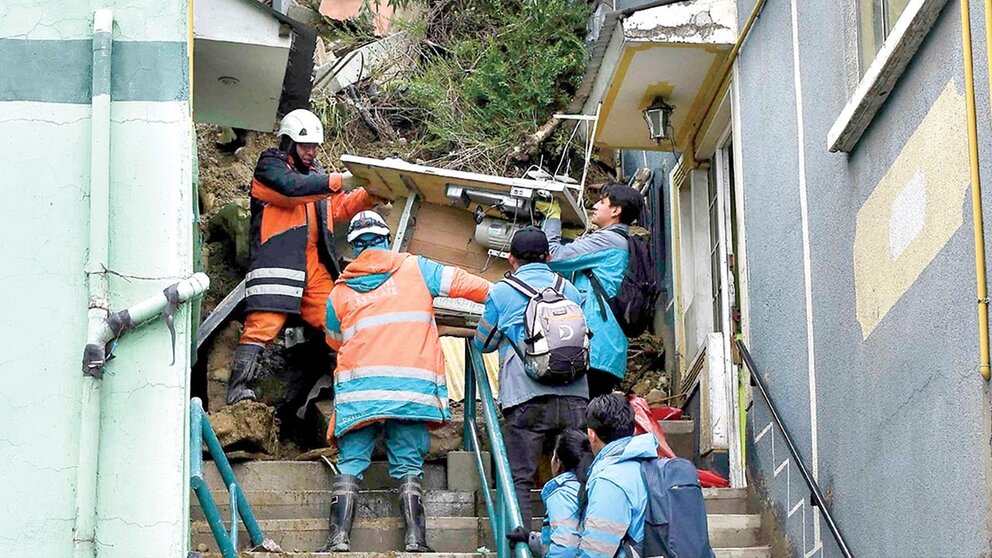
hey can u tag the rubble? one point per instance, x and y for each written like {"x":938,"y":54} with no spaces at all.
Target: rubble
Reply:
{"x":444,"y":439}
{"x":646,"y":375}
{"x":384,"y":59}
{"x":304,"y":14}
{"x":219,"y":361}
{"x":247,"y":426}
{"x":231,"y":223}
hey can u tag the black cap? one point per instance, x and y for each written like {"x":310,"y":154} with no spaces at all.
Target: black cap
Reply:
{"x":529,"y":243}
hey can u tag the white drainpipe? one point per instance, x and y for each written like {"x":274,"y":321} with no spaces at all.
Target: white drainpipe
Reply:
{"x":84,"y":531}
{"x":104,"y":326}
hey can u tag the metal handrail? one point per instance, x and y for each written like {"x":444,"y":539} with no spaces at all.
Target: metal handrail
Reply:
{"x":816,"y":495}
{"x":505,"y":512}
{"x":200,"y":432}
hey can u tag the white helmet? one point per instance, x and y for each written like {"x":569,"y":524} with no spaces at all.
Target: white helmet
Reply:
{"x":367,"y":222}
{"x":302,"y":126}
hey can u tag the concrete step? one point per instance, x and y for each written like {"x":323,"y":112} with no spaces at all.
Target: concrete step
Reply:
{"x":445,"y":534}
{"x":680,"y":436}
{"x":312,"y":475}
{"x":306,"y":504}
{"x":726,"y":530}
{"x":718,"y":500}
{"x":753,"y":552}
{"x":744,"y":552}
{"x":353,"y":555}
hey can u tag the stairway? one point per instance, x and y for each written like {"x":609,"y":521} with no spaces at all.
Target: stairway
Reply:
{"x":291,"y":500}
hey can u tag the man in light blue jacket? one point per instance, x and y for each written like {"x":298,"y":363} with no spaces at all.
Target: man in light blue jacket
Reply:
{"x":534,"y":413}
{"x":596,"y":263}
{"x":617,"y":495}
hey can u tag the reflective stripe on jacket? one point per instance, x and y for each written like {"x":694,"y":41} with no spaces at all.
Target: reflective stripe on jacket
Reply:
{"x":604,"y":254}
{"x":380,"y":320}
{"x":617,"y":496}
{"x":284,"y":204}
{"x":560,"y":532}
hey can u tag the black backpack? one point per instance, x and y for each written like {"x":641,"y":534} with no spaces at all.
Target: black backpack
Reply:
{"x":633,"y":306}
{"x":675,"y":524}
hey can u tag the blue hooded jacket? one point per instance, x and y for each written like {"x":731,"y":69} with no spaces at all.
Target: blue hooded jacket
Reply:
{"x":560,"y":532}
{"x":604,"y":254}
{"x":617,"y":496}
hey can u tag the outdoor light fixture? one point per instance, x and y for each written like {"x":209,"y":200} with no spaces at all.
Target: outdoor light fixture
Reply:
{"x":658,"y":117}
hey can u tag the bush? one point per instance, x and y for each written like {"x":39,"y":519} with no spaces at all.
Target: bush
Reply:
{"x":491,"y":71}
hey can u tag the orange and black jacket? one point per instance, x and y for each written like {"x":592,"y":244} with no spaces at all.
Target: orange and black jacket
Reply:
{"x":283,"y":202}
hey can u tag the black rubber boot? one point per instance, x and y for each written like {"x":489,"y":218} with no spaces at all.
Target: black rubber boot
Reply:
{"x":243,"y":371}
{"x":343,"y":503}
{"x":412,"y":506}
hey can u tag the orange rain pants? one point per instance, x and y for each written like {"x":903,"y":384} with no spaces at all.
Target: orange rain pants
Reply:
{"x":261,"y":328}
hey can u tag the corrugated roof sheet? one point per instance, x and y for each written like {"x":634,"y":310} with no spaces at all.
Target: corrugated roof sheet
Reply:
{"x":454,"y":367}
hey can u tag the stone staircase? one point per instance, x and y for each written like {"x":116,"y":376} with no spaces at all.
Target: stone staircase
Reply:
{"x":291,"y":500}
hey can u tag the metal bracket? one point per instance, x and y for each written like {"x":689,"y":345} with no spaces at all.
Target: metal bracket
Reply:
{"x":405,"y":227}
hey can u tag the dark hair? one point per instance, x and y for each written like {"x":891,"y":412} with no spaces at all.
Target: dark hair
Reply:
{"x":531,"y":257}
{"x":627,"y":199}
{"x":571,"y":448}
{"x":610,"y":417}
{"x":573,"y":452}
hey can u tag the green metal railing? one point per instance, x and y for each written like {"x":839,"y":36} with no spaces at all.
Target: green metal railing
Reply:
{"x":201,"y":432}
{"x":504,"y":513}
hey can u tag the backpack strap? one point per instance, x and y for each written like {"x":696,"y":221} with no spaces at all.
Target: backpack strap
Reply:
{"x":597,"y":288}
{"x":520,"y":286}
{"x":559,"y":284}
{"x":523,"y":288}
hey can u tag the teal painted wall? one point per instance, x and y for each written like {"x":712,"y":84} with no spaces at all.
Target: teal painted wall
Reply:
{"x":142,"y":499}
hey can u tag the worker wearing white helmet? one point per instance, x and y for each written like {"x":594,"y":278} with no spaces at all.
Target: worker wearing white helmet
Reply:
{"x":294,"y":205}
{"x":390,"y":370}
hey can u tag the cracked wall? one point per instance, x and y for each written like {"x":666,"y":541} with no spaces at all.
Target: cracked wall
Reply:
{"x":142,"y":501}
{"x":701,"y":21}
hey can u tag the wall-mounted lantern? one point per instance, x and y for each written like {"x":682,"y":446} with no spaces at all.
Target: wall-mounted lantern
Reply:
{"x":658,"y":117}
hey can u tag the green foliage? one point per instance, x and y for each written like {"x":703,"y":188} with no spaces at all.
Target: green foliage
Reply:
{"x":492,"y":71}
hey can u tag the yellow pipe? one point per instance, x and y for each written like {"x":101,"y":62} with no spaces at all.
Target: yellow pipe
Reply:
{"x":724,"y":77}
{"x":976,"y":207}
{"x":976,"y":184}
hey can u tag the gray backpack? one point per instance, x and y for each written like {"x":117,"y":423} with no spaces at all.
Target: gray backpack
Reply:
{"x":556,"y":339}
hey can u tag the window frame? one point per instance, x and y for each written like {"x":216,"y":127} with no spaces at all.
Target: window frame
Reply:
{"x":883,"y":73}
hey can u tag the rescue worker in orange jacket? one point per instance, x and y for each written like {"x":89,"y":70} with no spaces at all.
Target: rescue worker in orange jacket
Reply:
{"x":390,"y":369}
{"x":294,"y":205}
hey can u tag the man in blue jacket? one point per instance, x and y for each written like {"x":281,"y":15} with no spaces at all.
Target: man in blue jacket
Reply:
{"x":617,"y":495}
{"x":534,"y":413}
{"x":596,"y":263}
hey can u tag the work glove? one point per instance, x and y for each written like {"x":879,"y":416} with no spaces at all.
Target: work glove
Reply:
{"x":518,"y":535}
{"x":550,"y":209}
{"x":350,"y":181}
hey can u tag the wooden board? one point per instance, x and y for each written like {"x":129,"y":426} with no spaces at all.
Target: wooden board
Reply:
{"x":393,"y":178}
{"x":443,"y":234}
{"x":446,"y":234}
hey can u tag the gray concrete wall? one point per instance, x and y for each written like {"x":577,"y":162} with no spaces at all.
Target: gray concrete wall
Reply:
{"x":899,"y":438}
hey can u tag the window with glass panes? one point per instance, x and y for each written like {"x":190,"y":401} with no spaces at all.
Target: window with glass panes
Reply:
{"x":876,"y":18}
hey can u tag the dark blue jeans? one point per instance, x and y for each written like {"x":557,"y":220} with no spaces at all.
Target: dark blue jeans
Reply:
{"x":529,"y":431}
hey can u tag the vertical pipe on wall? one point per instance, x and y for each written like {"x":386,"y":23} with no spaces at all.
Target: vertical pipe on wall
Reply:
{"x":976,"y":208}
{"x":84,"y":530}
{"x":976,"y":187}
